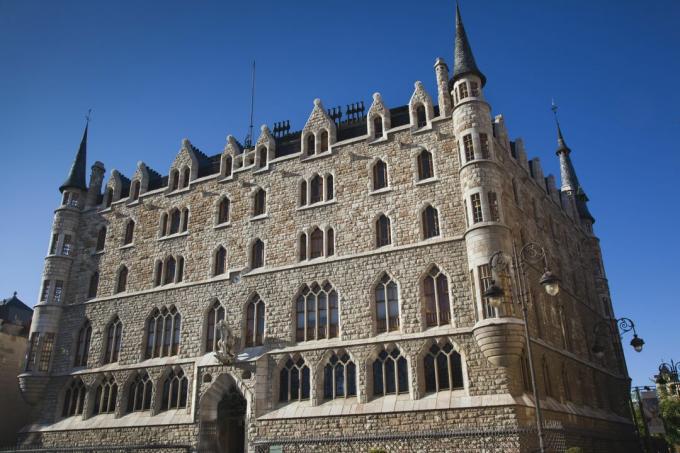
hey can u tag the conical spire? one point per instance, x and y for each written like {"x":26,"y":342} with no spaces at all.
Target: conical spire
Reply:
{"x":463,"y":60}
{"x":76,"y":176}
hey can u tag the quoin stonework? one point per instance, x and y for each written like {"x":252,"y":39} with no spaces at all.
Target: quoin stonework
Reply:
{"x":348,"y":262}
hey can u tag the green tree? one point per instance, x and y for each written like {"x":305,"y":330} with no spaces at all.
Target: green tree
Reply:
{"x":670,"y":412}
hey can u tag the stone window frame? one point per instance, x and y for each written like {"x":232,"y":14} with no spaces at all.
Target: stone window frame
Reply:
{"x":160,"y":270}
{"x":416,"y":156}
{"x":185,"y":177}
{"x":112,"y":340}
{"x":255,"y":299}
{"x":373,"y":132}
{"x":494,"y":206}
{"x":392,"y":229}
{"x":159,"y":315}
{"x":326,"y":231}
{"x":218,"y":210}
{"x":318,"y":384}
{"x":129,"y":390}
{"x":214,"y":262}
{"x":370,"y":360}
{"x":420,"y":368}
{"x":476,"y":208}
{"x":256,"y":208}
{"x":547,"y":378}
{"x":121,"y":286}
{"x":66,"y":400}
{"x":135,"y":190}
{"x":422,"y":208}
{"x":100,"y":243}
{"x":421,"y":295}
{"x":166,"y":220}
{"x":372,"y":175}
{"x":327,"y":184}
{"x":226,"y":166}
{"x":172,"y":373}
{"x":213,"y":309}
{"x":294,"y":312}
{"x":251,"y":253}
{"x":106,"y":387}
{"x":277,"y":374}
{"x":129,"y":236}
{"x":81,"y":344}
{"x":93,"y":285}
{"x":373,"y":304}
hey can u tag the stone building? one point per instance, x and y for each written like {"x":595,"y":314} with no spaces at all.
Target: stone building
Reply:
{"x":348,"y":261}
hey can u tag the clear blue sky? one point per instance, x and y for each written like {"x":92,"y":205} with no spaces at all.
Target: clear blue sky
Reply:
{"x":155,"y":72}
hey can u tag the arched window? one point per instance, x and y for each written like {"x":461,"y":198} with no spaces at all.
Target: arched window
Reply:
{"x":180,"y":269}
{"x":390,"y":373}
{"x":158,"y":273}
{"x":383,"y":231}
{"x":134,"y":192}
{"x":109,"y":197}
{"x":139,"y":396}
{"x":324,"y":142}
{"x":317,"y":313}
{"x":105,"y":396}
{"x":421,"y":118}
{"x":227,"y":166}
{"x":330,"y":190}
{"x":164,"y":224}
{"x":255,"y":322}
{"x":259,"y":202}
{"x":185,"y":219}
{"x":303,"y":193}
{"x":547,"y":383}
{"x":186,"y":175}
{"x":170,"y":267}
{"x":430,"y":222}
{"x":94,"y":285}
{"x":443,"y":369}
{"x":386,"y":305}
{"x":294,"y":381}
{"x":339,"y":377}
{"x":263,"y":156}
{"x":330,"y":242}
{"x":436,"y":294}
{"x":316,"y":243}
{"x":425,"y":167}
{"x":302,"y":247}
{"x":377,"y":127}
{"x":129,"y":232}
{"x":316,"y":189}
{"x":175,"y":389}
{"x":175,"y":220}
{"x":223,"y":211}
{"x":257,"y":254}
{"x":220,"y":265}
{"x":379,"y":175}
{"x":311,"y":145}
{"x":74,"y":399}
{"x":121,"y":285}
{"x":174,"y":180}
{"x":114,"y":332}
{"x":83,"y":344}
{"x":101,"y":239}
{"x":215,"y":315}
{"x":163,"y":333}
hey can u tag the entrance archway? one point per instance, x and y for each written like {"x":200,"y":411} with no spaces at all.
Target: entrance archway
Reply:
{"x":223,"y":416}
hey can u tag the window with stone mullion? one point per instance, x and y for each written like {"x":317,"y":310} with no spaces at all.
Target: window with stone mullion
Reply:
{"x":387,"y":305}
{"x":339,"y":377}
{"x":390,"y":373}
{"x":139,"y":397}
{"x":113,"y":341}
{"x":443,"y":369}
{"x":175,"y":391}
{"x":437,"y":304}
{"x":294,"y":381}
{"x":74,"y":399}
{"x":105,"y":397}
{"x":83,"y":345}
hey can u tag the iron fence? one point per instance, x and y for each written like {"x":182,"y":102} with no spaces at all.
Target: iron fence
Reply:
{"x":149,"y":448}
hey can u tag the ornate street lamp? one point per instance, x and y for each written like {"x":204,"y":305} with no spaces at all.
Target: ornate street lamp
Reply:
{"x":668,"y":373}
{"x":624,"y":325}
{"x":529,"y":255}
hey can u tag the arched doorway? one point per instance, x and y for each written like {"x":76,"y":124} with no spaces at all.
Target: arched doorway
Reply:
{"x":231,"y":422}
{"x":223,"y":416}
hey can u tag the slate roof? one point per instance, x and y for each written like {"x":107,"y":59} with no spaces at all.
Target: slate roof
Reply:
{"x":463,"y":59}
{"x":76,"y":176}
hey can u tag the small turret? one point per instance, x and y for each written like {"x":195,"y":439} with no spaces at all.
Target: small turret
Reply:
{"x":76,"y":176}
{"x":96,"y":180}
{"x":464,"y":61}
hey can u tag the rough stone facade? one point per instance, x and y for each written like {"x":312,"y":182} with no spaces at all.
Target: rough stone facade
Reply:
{"x":585,"y":395}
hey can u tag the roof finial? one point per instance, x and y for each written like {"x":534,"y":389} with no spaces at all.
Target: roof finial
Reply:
{"x":15,"y":294}
{"x":88,"y":117}
{"x":562,"y":145}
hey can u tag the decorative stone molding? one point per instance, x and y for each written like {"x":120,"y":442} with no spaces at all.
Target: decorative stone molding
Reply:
{"x":501,"y":340}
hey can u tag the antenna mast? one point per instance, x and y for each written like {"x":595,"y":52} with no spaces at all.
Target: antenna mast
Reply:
{"x":248,"y":142}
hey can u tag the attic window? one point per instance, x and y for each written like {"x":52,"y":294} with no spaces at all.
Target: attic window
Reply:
{"x":135,"y":190}
{"x":324,"y":141}
{"x":377,"y":127}
{"x":421,"y":118}
{"x":263,"y":156}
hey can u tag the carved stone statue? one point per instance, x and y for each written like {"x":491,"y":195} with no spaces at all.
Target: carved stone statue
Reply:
{"x":225,"y":345}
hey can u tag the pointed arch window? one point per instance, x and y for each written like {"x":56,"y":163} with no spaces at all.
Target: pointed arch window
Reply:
{"x":294,"y":381}
{"x":129,"y":232}
{"x":215,"y":315}
{"x":330,"y":242}
{"x":174,"y":180}
{"x":317,"y":312}
{"x":223,"y":211}
{"x":377,"y":127}
{"x":74,"y":399}
{"x":425,"y":165}
{"x":302,"y":247}
{"x":390,"y":373}
{"x":105,"y":396}
{"x":109,"y":197}
{"x":94,"y":285}
{"x":139,"y":396}
{"x":430,"y":222}
{"x":443,"y":369}
{"x":185,"y":220}
{"x":330,"y":189}
{"x":379,"y":175}
{"x":175,"y":387}
{"x":303,"y":193}
{"x":259,"y":202}
{"x":263,"y":156}
{"x":170,"y":268}
{"x":257,"y":254}
{"x":158,"y":273}
{"x":339,"y":377}
{"x":220,"y":265}
{"x":383,"y":231}
{"x":83,"y":344}
{"x":134,"y":192}
{"x":316,"y":189}
{"x":164,"y":224}
{"x":227,"y":166}
{"x":255,"y":322}
{"x":386,"y":305}
{"x":316,"y":243}
{"x":163,"y":333}
{"x":436,"y":294}
{"x":114,"y":333}
{"x":311,"y":145}
{"x":546,"y":378}
{"x":180,"y":269}
{"x":421,"y":117}
{"x":101,"y":239}
{"x":186,"y":176}
{"x":175,"y":221}
{"x":121,"y":284}
{"x":324,"y":141}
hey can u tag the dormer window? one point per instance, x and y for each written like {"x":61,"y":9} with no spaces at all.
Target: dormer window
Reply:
{"x":227,"y":166}
{"x":174,"y":180}
{"x":324,"y":142}
{"x":311,"y":145}
{"x":109,"y":197}
{"x":134,"y":192}
{"x":377,"y":127}
{"x":263,"y":156}
{"x":186,"y":175}
{"x":421,"y":117}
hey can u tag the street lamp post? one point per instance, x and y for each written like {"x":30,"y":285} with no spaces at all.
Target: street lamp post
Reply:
{"x":669,"y":374}
{"x":528,"y":255}
{"x":624,"y":325}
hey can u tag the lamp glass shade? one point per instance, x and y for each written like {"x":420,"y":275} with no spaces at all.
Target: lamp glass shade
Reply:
{"x":637,"y":343}
{"x":551,"y":283}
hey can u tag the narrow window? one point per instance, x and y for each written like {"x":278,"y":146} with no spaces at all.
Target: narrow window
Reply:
{"x":377,"y":127}
{"x":185,"y":177}
{"x":390,"y":373}
{"x":58,"y":291}
{"x":74,"y":399}
{"x":316,"y":312}
{"x":316,"y":243}
{"x":546,"y":379}
{"x":180,"y":269}
{"x":158,"y":274}
{"x":66,"y":246}
{"x":53,"y":244}
{"x":294,"y":381}
{"x":32,"y":351}
{"x":122,"y":279}
{"x":474,"y":89}
{"x":257,"y":254}
{"x":255,"y":322}
{"x":462,"y":91}
{"x":330,"y":242}
{"x":565,"y":383}
{"x":515,"y":193}
{"x":484,"y":145}
{"x":311,"y":145}
{"x":303,"y":193}
{"x":386,"y":305}
{"x":430,"y":223}
{"x":129,"y":232}
{"x":215,"y":315}
{"x":421,"y":118}
{"x":330,"y":191}
{"x":526,"y":373}
{"x":101,"y":240}
{"x":259,"y":202}
{"x":94,"y":285}
{"x":175,"y":392}
{"x":484,"y":272}
{"x":227,"y":166}
{"x":469,"y":148}
{"x":443,"y":369}
{"x":170,"y":268}
{"x":223,"y":211}
{"x":425,"y":168}
{"x":46,"y":354}
{"x":493,"y":207}
{"x":302,"y":248}
{"x":476,"y":204}
{"x":135,"y":190}
{"x":316,"y":189}
{"x":379,"y":175}
{"x":383,"y":233}
{"x":83,"y":345}
{"x":339,"y":377}
{"x":175,"y":221}
{"x":185,"y":219}
{"x":220,"y":266}
{"x":109,"y":197}
{"x":164,"y":224}
{"x":45,"y":290}
{"x":139,"y":396}
{"x":114,"y":333}
{"x":263,"y":156}
{"x":174,"y":180}
{"x":436,"y":294}
{"x":324,"y":142}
